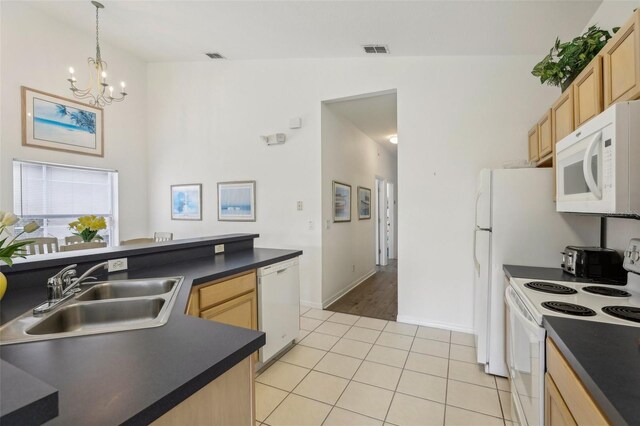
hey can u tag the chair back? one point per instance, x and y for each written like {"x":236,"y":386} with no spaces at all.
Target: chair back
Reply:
{"x":74,"y":239}
{"x":42,"y":245}
{"x":136,"y":241}
{"x":83,"y":246}
{"x":163,"y":236}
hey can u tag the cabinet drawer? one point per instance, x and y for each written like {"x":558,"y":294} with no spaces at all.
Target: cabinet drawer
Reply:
{"x":240,"y":312}
{"x":226,"y":290}
{"x":582,"y":407}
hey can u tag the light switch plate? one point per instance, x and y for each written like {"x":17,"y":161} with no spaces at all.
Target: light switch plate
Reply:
{"x":118,"y":264}
{"x":219,"y":248}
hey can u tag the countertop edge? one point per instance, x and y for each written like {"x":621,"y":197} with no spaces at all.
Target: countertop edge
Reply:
{"x":594,"y":390}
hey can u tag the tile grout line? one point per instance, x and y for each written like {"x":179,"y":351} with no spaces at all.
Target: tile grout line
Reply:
{"x":446,"y":387}
{"x":395,"y":391}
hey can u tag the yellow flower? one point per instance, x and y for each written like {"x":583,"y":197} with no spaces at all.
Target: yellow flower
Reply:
{"x":9,"y":219}
{"x":31,"y":227}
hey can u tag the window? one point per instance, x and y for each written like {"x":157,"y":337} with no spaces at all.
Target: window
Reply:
{"x":54,"y":195}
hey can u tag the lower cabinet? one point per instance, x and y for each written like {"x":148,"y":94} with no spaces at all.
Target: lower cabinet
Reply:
{"x":228,"y":400}
{"x":567,"y":401}
{"x":232,"y":300}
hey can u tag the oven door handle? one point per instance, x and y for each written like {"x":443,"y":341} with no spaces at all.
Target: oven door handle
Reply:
{"x":588,"y":170}
{"x":529,"y":323}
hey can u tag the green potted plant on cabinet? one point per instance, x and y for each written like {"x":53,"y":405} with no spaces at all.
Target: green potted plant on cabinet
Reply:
{"x":566,"y":60}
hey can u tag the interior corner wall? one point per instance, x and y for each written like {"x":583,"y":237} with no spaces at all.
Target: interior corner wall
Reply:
{"x":36,"y":51}
{"x":348,"y":248}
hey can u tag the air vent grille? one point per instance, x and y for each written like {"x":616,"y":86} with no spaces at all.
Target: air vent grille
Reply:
{"x":375,"y":48}
{"x":215,"y":55}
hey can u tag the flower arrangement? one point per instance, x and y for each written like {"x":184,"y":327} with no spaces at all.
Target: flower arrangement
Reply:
{"x":87,"y":227}
{"x":10,"y":248}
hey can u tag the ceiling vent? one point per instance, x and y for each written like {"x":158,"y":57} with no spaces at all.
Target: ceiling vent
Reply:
{"x":215,"y":56}
{"x":375,"y":48}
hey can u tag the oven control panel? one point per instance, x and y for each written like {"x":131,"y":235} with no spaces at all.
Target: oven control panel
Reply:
{"x":632,"y":256}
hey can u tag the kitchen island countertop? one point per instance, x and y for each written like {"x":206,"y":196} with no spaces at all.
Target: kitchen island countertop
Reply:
{"x":133,"y":377}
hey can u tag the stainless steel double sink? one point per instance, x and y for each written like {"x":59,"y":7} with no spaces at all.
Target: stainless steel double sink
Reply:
{"x":104,"y":307}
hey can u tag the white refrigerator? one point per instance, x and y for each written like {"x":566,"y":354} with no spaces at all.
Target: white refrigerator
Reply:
{"x":517,"y":224}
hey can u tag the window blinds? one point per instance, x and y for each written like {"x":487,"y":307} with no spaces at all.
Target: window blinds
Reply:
{"x":48,"y":190}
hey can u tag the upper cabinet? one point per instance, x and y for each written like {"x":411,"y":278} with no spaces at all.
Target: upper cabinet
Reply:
{"x":533,"y":143}
{"x":587,"y":93}
{"x":562,"y":116}
{"x":545,"y":136}
{"x":622,"y":63}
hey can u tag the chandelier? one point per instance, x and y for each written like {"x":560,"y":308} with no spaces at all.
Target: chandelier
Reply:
{"x":97,"y":90}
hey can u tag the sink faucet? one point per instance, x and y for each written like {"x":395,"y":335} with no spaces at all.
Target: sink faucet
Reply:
{"x":63,"y":285}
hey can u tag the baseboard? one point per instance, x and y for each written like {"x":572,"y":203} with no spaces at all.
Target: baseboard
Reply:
{"x":420,"y":321}
{"x":346,"y":290}
{"x":310,"y":304}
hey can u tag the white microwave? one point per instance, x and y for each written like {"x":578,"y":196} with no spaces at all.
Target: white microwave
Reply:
{"x":598,"y":165}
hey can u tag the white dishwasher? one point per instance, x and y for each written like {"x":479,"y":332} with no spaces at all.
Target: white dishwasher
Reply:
{"x":278,"y":306}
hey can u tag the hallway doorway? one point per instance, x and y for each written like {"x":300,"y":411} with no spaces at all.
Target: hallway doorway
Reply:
{"x":359,"y":152}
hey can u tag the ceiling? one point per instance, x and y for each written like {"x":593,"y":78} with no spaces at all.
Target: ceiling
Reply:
{"x":181,"y":30}
{"x":376,"y":116}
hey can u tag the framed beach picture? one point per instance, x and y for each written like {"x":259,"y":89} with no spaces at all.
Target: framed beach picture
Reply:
{"x":53,"y":122}
{"x":237,"y":201}
{"x":341,"y":202}
{"x":186,"y":202}
{"x":364,"y":203}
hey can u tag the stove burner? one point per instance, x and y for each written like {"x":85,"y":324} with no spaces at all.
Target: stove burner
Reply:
{"x":630,"y":313}
{"x":553,"y":288}
{"x":606,"y":291}
{"x":569,"y":309}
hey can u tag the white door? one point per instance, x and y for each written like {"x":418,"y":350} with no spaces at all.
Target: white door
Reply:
{"x":381,"y":228}
{"x":391,"y":232}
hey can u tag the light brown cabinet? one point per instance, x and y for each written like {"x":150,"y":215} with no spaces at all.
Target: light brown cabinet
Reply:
{"x":622,"y":63}
{"x":567,"y":401}
{"x":228,"y":400}
{"x":545,"y":139}
{"x":562,"y":121}
{"x":587,"y":93}
{"x":240,"y":311}
{"x":533,"y":144}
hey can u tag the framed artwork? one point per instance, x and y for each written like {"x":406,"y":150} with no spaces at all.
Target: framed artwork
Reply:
{"x":341,"y":202}
{"x":186,"y":202}
{"x":237,"y":201}
{"x":364,"y":203}
{"x":53,"y":122}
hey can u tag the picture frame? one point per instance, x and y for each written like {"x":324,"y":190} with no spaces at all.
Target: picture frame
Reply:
{"x":186,"y":201}
{"x":237,"y":201}
{"x":60,"y":124}
{"x":341,"y":197}
{"x":364,"y":203}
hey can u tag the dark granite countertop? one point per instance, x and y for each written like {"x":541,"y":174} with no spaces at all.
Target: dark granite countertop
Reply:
{"x":551,"y":274}
{"x":606,"y":357}
{"x":136,"y":376}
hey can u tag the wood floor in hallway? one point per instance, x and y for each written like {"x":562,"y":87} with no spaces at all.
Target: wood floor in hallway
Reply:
{"x":377,"y":297}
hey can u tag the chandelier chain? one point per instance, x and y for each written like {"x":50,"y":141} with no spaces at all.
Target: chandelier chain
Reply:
{"x":98,"y":56}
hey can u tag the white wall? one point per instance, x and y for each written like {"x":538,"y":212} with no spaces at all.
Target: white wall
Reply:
{"x":348,"y":249}
{"x":36,"y":51}
{"x":456,"y":115}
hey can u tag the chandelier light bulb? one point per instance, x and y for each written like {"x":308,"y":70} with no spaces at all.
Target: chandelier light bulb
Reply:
{"x":394,"y":139}
{"x":122,"y":85}
{"x":71,"y":71}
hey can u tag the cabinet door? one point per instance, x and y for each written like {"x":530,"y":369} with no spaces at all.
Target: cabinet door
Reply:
{"x":556,"y":412}
{"x":562,"y":116}
{"x":544,"y":138}
{"x":533,"y":144}
{"x":622,"y":63}
{"x":587,"y":92}
{"x":241,"y":312}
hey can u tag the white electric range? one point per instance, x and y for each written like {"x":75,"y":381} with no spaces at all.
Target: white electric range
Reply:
{"x":528,"y":300}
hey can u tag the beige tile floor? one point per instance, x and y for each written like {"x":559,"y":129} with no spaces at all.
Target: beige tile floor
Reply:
{"x":350,"y":370}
